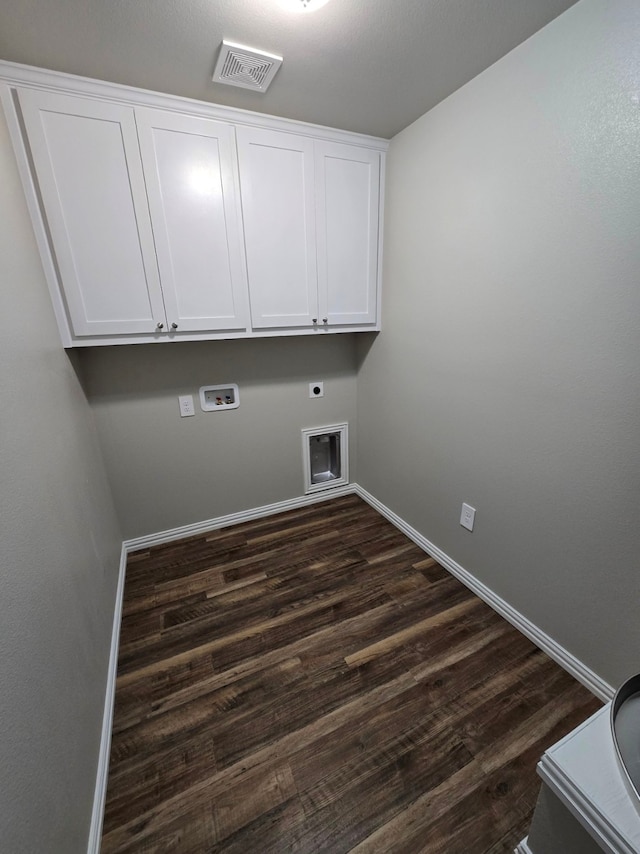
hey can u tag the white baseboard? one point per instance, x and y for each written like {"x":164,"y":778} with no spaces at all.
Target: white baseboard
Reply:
{"x":558,"y":653}
{"x":95,"y":831}
{"x":235,"y":518}
{"x":523,"y":847}
{"x":564,"y":658}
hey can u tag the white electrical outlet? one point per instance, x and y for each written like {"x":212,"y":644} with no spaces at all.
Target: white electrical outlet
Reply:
{"x":316,"y":389}
{"x":467,"y":517}
{"x":186,"y":405}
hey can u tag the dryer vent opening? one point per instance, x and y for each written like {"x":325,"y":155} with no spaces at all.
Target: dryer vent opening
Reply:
{"x":325,"y":457}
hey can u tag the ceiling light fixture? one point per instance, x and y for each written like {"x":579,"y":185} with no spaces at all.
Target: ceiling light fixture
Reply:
{"x":302,"y":5}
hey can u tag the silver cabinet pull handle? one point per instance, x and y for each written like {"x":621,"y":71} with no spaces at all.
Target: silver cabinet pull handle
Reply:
{"x":159,"y":325}
{"x":314,"y":319}
{"x":325,"y":319}
{"x":174,"y":325}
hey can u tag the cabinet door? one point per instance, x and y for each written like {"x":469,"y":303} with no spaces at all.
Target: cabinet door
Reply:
{"x":276,"y":179}
{"x":347,"y":203}
{"x":87,"y":162}
{"x":189,"y":171}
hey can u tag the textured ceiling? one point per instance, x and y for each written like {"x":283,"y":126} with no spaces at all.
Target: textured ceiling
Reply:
{"x":371,"y":66}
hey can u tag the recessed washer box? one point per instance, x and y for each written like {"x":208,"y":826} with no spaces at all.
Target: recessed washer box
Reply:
{"x":215,"y":398}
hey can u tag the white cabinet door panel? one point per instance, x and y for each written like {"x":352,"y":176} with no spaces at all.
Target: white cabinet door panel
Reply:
{"x":88,"y":166}
{"x":191,"y":187}
{"x":347,"y":201}
{"x":276,"y":178}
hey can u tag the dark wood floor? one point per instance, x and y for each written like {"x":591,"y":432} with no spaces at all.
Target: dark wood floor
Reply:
{"x":313,"y":682}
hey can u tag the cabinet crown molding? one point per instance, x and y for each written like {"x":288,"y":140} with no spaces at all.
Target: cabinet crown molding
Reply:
{"x":29,"y":76}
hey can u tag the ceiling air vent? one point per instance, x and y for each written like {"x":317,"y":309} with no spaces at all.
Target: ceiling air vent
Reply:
{"x":243,"y":66}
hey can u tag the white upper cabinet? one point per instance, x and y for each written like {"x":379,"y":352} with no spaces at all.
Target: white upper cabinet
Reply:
{"x":311,"y":229}
{"x":87,"y":161}
{"x":276,"y":181}
{"x":161,"y":219}
{"x":347,"y":192}
{"x":191,"y":187}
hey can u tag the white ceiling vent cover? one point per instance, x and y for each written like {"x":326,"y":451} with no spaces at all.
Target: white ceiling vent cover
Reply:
{"x":246,"y":67}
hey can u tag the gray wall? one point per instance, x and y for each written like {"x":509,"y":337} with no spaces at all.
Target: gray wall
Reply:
{"x":59,"y":556}
{"x":168,"y":471}
{"x":507,"y":373}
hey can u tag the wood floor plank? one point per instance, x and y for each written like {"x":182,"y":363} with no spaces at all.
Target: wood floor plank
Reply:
{"x":448,"y":658}
{"x":144,"y":689}
{"x":243,"y":642}
{"x":313,"y":682}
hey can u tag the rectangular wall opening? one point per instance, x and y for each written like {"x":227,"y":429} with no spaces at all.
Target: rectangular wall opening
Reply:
{"x":325,"y":457}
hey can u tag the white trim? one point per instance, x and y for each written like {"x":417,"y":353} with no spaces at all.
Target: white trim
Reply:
{"x":102,"y":774}
{"x":234,"y":519}
{"x":309,"y":433}
{"x":381,"y":212}
{"x":16,"y":74}
{"x":222,"y":335}
{"x":553,"y":649}
{"x":37,"y":221}
{"x":523,"y":847}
